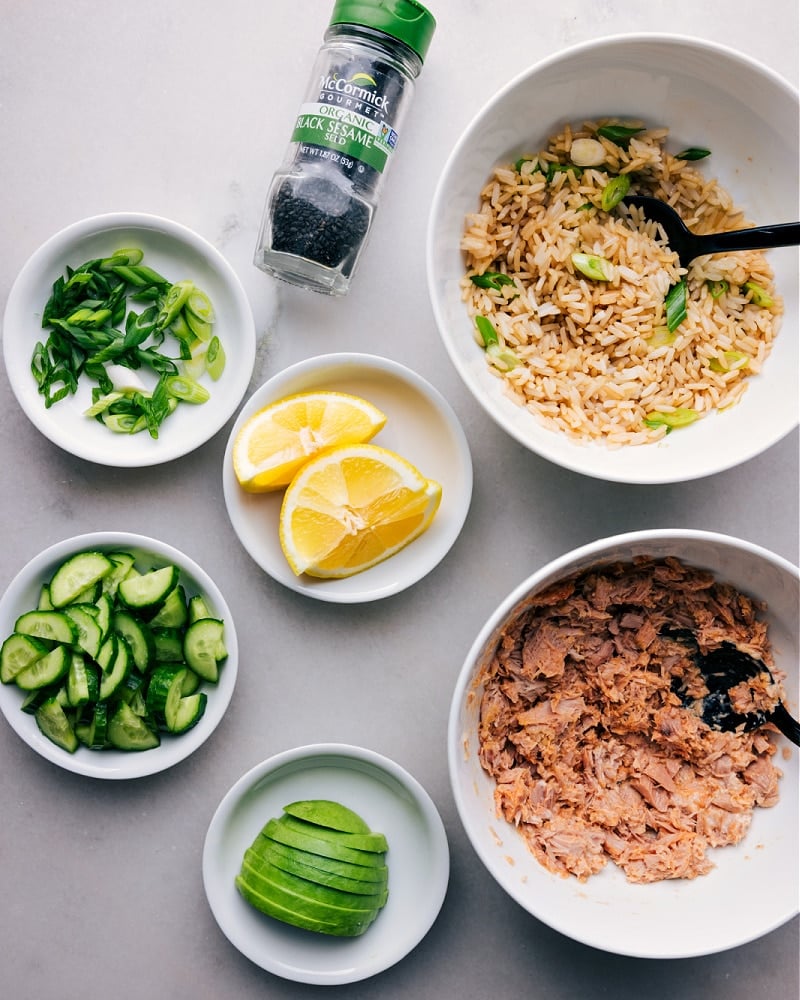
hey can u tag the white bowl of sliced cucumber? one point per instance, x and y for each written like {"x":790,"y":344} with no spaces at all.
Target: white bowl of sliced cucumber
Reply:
{"x":119,"y":655}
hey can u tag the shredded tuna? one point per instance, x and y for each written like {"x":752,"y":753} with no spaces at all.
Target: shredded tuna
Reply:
{"x":595,"y":755}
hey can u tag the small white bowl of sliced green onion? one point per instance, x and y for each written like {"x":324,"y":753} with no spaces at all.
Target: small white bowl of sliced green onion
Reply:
{"x":119,"y":655}
{"x":128,"y":339}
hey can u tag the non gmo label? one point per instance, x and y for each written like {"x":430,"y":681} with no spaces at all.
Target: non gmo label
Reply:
{"x":350,"y":133}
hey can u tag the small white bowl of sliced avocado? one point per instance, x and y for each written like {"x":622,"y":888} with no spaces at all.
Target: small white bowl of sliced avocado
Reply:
{"x":326,"y":864}
{"x":119,"y":655}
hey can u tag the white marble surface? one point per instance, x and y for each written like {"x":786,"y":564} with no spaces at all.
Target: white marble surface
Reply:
{"x":184,"y":109}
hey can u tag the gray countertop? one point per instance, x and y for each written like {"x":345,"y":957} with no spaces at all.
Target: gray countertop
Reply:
{"x":184,"y":109}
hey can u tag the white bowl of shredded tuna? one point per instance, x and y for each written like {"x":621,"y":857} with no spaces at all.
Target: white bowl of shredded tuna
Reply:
{"x":567,"y":316}
{"x":591,"y":789}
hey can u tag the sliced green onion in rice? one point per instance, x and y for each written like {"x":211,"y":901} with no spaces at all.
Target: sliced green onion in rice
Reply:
{"x":615,"y":191}
{"x":486,"y":333}
{"x":662,"y":336}
{"x":677,"y":418}
{"x":621,"y":135}
{"x":491,"y":279}
{"x":502,"y":358}
{"x":729,"y":361}
{"x":758,"y":295}
{"x":527,"y":159}
{"x":716,"y":289}
{"x":587,"y":152}
{"x":675,"y":305}
{"x":593,"y":266}
{"x":693,"y":153}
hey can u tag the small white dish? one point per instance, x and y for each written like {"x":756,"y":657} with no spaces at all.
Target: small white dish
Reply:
{"x":391,"y":801}
{"x":421,"y":426}
{"x":22,"y":595}
{"x":175,"y":252}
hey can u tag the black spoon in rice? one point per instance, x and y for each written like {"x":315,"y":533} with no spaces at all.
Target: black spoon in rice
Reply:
{"x":688,"y":245}
{"x":722,"y":669}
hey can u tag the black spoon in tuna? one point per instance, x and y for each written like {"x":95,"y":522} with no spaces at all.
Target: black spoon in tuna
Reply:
{"x":724,"y":668}
{"x":688,"y":245}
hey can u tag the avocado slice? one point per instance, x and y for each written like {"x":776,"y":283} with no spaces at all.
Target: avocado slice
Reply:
{"x":306,"y":906}
{"x":343,"y":928}
{"x":345,"y":869}
{"x":315,"y":845}
{"x":290,"y":864}
{"x":323,"y":812}
{"x":362,"y":841}
{"x":263,"y":876}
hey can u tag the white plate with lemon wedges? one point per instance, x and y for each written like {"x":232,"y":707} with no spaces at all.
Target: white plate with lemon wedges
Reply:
{"x":388,"y":800}
{"x":377,"y":431}
{"x":146,"y":258}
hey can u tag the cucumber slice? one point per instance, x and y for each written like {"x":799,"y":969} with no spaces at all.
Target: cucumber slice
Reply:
{"x":115,"y":661}
{"x":53,"y":721}
{"x":138,"y":636}
{"x":189,"y":712}
{"x":52,"y":625}
{"x":93,"y":733}
{"x":17,"y":653}
{"x":123,"y":563}
{"x":105,"y":611}
{"x":46,"y":670}
{"x":198,"y":608}
{"x":191,"y":682}
{"x":173,"y":613}
{"x":149,"y":590}
{"x":90,"y":635}
{"x":78,"y":573}
{"x":168,"y":645}
{"x":128,"y":731}
{"x":164,"y":692}
{"x":83,"y":685}
{"x":204,"y":647}
{"x":45,"y":604}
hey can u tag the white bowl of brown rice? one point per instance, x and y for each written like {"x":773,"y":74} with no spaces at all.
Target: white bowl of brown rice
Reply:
{"x":591,"y":788}
{"x":567,"y":315}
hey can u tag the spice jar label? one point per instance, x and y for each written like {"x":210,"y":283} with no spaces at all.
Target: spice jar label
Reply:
{"x":348,"y":131}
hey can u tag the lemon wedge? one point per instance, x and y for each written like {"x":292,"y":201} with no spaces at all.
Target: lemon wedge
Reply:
{"x":275,"y":442}
{"x":351,"y":507}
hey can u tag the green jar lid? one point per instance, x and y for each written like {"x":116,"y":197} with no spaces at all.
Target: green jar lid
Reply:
{"x":405,"y":20}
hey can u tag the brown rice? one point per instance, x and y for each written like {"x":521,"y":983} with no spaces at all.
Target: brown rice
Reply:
{"x":588,"y":361}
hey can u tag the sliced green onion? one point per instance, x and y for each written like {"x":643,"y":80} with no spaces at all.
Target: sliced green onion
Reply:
{"x":176,"y":299}
{"x":486,"y":332}
{"x":187,"y":389}
{"x":526,"y":159}
{"x":615,"y":191}
{"x":717,"y":288}
{"x":201,"y":328}
{"x":562,"y":168}
{"x":675,"y":305}
{"x":677,"y":418}
{"x":662,"y":336}
{"x":215,"y":358}
{"x":124,"y":423}
{"x":103,"y":403}
{"x":127,"y":255}
{"x":491,"y":279}
{"x":729,"y":361}
{"x":586,"y":152}
{"x":199,"y":304}
{"x":502,"y":357}
{"x":693,"y":153}
{"x":592,"y":266}
{"x":758,"y":295}
{"x":620,"y":134}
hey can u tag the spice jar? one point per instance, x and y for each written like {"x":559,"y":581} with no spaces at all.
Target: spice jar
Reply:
{"x":322,"y":200}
